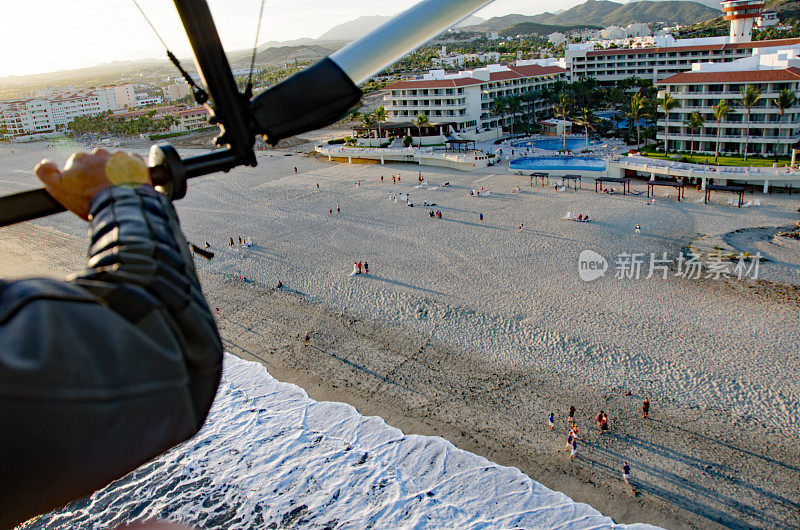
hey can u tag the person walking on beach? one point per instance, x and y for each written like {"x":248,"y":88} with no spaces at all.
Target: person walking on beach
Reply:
{"x":231,"y":242}
{"x":481,"y":218}
{"x":571,"y":415}
{"x":626,"y":472}
{"x":317,"y":185}
{"x":645,"y":408}
{"x":602,"y":422}
{"x":338,"y":210}
{"x":551,"y":421}
{"x":308,"y":338}
{"x":569,"y":442}
{"x":638,"y":229}
{"x":381,"y":178}
{"x":355,"y":269}
{"x":359,"y":267}
{"x":574,"y":448}
{"x":366,"y":268}
{"x":394,"y":180}
{"x":330,"y":212}
{"x":295,"y":170}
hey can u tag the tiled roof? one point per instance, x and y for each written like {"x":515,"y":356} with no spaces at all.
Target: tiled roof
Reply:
{"x":704,"y":47}
{"x":739,"y":76}
{"x":534,"y":70}
{"x":433,"y":83}
{"x":513,"y":72}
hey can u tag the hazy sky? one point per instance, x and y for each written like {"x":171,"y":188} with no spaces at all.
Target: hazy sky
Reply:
{"x":49,"y":35}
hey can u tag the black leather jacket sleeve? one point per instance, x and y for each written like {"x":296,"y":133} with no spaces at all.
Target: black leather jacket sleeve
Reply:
{"x":102,"y":373}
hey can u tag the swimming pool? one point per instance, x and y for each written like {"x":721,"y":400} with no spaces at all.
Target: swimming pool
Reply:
{"x":559,"y":163}
{"x":554,"y":144}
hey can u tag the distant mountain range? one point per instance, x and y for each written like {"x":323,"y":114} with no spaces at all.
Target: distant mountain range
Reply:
{"x":534,"y":28}
{"x":353,"y":29}
{"x":604,"y":13}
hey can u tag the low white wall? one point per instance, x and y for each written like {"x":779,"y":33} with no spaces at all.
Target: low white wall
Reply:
{"x":586,"y":175}
{"x":428,"y":140}
{"x":371,"y":142}
{"x":451,"y":160}
{"x":481,"y":136}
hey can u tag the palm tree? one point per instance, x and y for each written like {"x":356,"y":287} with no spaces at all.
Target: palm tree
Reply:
{"x":531,"y":97}
{"x":587,"y":120}
{"x":368,"y":120}
{"x":667,"y":103}
{"x":419,"y":123}
{"x":750,"y":96}
{"x":785,"y":99}
{"x":720,"y":110}
{"x":514,"y":106}
{"x":380,"y":117}
{"x":614,"y":98}
{"x":638,"y":111}
{"x":562,"y":110}
{"x":694,"y":123}
{"x":499,"y":107}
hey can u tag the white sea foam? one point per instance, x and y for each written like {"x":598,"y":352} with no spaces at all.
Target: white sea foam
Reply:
{"x":269,"y":456}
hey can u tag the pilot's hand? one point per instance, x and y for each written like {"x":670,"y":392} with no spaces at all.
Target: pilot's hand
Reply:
{"x":85,"y":175}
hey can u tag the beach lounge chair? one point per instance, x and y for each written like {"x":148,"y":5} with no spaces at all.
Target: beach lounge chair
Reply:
{"x":757,"y":203}
{"x":748,"y":204}
{"x":698,"y":200}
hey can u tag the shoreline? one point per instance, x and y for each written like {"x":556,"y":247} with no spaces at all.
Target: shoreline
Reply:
{"x":691,"y":469}
{"x":477,"y":331}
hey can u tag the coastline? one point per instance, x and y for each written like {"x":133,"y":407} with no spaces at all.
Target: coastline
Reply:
{"x":690,"y":468}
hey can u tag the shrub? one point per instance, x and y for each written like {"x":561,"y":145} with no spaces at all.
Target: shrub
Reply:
{"x":407,"y":141}
{"x":336,"y":141}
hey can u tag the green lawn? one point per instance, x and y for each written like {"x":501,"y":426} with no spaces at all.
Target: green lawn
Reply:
{"x":722,"y":160}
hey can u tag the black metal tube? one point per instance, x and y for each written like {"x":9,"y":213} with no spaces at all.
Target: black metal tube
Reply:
{"x":27,"y":205}
{"x":230,"y":108}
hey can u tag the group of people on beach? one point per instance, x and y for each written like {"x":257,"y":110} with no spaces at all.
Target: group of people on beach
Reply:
{"x":360,"y":268}
{"x":602,"y":425}
{"x":243,"y":242}
{"x":437,"y":214}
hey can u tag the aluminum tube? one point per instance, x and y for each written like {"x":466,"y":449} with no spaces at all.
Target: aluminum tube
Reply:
{"x":405,"y":32}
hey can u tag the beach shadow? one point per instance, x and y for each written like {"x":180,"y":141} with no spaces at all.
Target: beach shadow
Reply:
{"x":685,"y":493}
{"x":261,"y":252}
{"x":361,"y":368}
{"x":251,"y":330}
{"x":479,"y":225}
{"x":399,"y":284}
{"x":729,"y":446}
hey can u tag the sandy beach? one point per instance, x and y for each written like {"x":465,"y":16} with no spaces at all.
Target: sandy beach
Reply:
{"x":476,"y":331}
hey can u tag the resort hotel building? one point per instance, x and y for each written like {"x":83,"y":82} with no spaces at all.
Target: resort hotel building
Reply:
{"x":670,"y":56}
{"x":462,"y":102}
{"x":706,"y":84}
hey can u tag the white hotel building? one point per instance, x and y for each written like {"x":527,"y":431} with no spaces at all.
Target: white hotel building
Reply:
{"x":706,"y":84}
{"x":463,"y":100}
{"x":43,"y":115}
{"x":670,"y":56}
